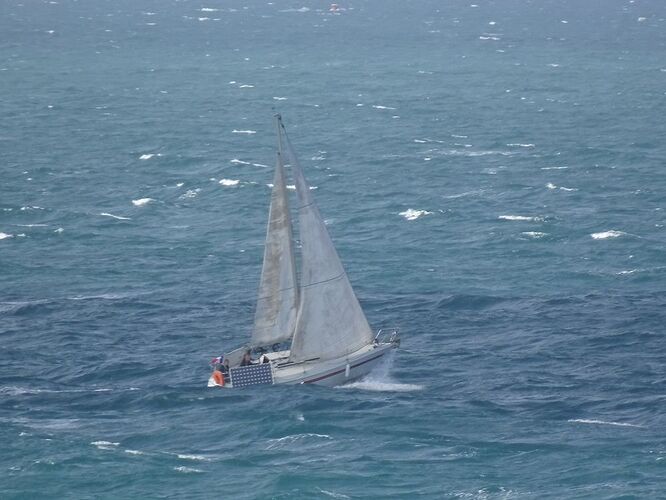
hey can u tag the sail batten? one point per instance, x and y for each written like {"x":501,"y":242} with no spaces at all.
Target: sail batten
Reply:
{"x":330,"y":322}
{"x":277,"y":299}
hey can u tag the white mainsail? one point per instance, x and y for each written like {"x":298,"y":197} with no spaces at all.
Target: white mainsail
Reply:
{"x":277,"y":300}
{"x":330,"y":322}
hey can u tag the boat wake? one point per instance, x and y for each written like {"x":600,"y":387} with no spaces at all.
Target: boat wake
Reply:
{"x":380,"y":380}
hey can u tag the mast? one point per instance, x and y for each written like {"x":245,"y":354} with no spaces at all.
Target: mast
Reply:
{"x":277,"y":299}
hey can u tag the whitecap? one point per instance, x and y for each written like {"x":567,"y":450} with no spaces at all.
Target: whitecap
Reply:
{"x":382,"y":107}
{"x":141,"y":202}
{"x":260,"y":165}
{"x":32,"y":225}
{"x":236,"y":161}
{"x":554,"y":168}
{"x":190,"y":193}
{"x":186,"y":470}
{"x":57,"y":231}
{"x":550,"y":185}
{"x":332,"y":494}
{"x":5,"y":235}
{"x":534,"y":234}
{"x":302,"y":9}
{"x":208,"y":9}
{"x":280,"y":98}
{"x":607,"y":234}
{"x":630,"y":271}
{"x":519,"y":218}
{"x":146,"y":156}
{"x":115,"y":216}
{"x":229,"y":182}
{"x":602,"y":422}
{"x":234,"y":131}
{"x":193,"y":457}
{"x":134,"y":452}
{"x":519,"y":145}
{"x":411,"y":214}
{"x":420,"y":141}
{"x":105,"y":445}
{"x":180,"y":184}
{"x":288,"y":440}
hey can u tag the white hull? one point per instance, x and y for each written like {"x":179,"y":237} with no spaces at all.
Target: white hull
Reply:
{"x":328,"y":373}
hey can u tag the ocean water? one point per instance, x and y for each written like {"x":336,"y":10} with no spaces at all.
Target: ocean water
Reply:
{"x":492,"y":173}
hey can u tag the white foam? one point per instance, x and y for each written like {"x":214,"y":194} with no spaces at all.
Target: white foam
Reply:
{"x":630,"y":271}
{"x":190,"y":193}
{"x":374,"y":385}
{"x":602,"y":422}
{"x":234,"y":131}
{"x":332,"y":494}
{"x":519,"y":145}
{"x":32,"y":225}
{"x":550,"y":185}
{"x":302,"y":9}
{"x":280,"y":98}
{"x":554,"y":168}
{"x":134,"y":452}
{"x":229,"y":182}
{"x":288,"y":440}
{"x":193,"y":457}
{"x":33,"y":207}
{"x":115,"y":216}
{"x":5,"y":236}
{"x":208,"y":9}
{"x":382,"y":107}
{"x":607,"y":234}
{"x":420,"y":141}
{"x":186,"y":470}
{"x":534,"y":234}
{"x":236,"y":161}
{"x":59,"y":230}
{"x":519,"y":218}
{"x":411,"y":214}
{"x":141,"y":202}
{"x":146,"y":156}
{"x":380,"y":380}
{"x":105,"y":445}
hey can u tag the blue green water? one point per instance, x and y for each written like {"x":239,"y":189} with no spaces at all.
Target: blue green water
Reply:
{"x":492,"y":174}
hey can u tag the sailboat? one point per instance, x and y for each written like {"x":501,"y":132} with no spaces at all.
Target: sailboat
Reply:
{"x":309,"y":327}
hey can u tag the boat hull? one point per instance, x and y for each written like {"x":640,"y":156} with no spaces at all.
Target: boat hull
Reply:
{"x":336,"y":372}
{"x":328,"y":373}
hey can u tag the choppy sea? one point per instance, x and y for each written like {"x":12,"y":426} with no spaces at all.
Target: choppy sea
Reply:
{"x":492,"y":173}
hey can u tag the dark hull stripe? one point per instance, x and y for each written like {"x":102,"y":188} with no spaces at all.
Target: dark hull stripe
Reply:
{"x":340,"y":371}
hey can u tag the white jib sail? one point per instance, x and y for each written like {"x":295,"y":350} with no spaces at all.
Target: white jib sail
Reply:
{"x":277,"y":300}
{"x":330,"y":322}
